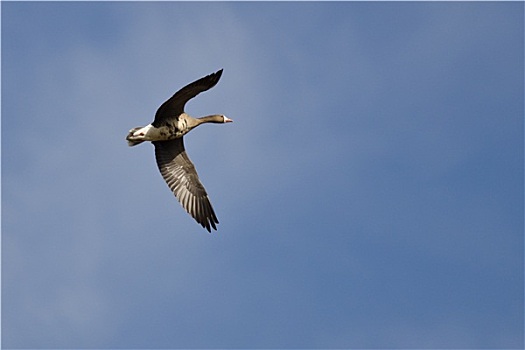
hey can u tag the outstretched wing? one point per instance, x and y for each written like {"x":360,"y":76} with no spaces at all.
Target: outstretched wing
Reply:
{"x":174,"y":106}
{"x":180,"y":175}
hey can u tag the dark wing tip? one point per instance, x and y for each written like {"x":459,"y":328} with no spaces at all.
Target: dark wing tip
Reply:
{"x":214,"y":78}
{"x":207,"y":219}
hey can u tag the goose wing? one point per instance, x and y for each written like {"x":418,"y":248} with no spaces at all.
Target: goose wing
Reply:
{"x":174,"y":106}
{"x":179,"y":173}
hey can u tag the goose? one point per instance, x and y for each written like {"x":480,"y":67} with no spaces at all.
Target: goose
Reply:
{"x":166,"y":133}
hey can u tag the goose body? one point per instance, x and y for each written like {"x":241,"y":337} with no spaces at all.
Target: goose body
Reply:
{"x":166,"y":133}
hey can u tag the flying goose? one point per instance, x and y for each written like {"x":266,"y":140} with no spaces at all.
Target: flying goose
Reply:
{"x":166,"y":133}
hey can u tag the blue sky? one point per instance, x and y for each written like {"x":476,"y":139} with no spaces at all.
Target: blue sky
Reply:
{"x":369,"y":192}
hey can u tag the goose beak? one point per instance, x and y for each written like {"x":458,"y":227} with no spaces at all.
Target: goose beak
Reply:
{"x":227,"y":120}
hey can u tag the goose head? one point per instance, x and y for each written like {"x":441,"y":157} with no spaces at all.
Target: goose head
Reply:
{"x":214,"y":118}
